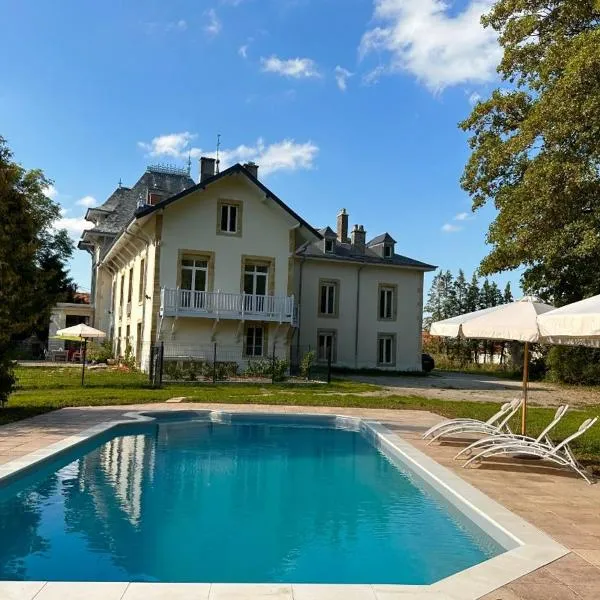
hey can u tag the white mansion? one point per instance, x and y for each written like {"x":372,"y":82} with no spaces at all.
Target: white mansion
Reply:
{"x":225,"y":260}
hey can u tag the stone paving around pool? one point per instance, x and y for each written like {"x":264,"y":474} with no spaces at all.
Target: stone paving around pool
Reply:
{"x":553,"y":500}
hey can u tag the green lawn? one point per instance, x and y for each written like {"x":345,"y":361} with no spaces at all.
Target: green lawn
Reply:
{"x":44,"y":389}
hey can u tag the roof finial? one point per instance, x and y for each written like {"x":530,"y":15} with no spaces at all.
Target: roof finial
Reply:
{"x":120,"y":183}
{"x":218,"y":149}
{"x":189,"y":167}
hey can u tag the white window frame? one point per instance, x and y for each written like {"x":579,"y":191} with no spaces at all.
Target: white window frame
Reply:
{"x":331,"y":298}
{"x":229,"y":208}
{"x":388,"y":251}
{"x":386,"y":303}
{"x":252,"y":348}
{"x":386,"y":351}
{"x":329,"y":246}
{"x":332,"y":336}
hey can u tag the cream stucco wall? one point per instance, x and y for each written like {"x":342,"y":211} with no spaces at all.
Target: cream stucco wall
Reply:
{"x":357,"y":339}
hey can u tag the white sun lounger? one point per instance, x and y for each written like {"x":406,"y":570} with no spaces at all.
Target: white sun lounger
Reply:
{"x":473,"y":426}
{"x":560,"y":454}
{"x":502,"y":438}
{"x":504,"y":409}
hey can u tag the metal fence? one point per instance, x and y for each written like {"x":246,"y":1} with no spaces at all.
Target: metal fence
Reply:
{"x":172,"y":362}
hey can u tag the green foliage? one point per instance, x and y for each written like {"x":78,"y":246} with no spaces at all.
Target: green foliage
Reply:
{"x":100,"y":353}
{"x":574,"y":365}
{"x":536,"y":147}
{"x":267,"y":367}
{"x":306,"y":363}
{"x":32,"y":257}
{"x":7,"y":379}
{"x":128,"y":359}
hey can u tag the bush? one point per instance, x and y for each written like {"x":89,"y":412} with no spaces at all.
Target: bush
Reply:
{"x":7,"y":379}
{"x":100,"y":353}
{"x":575,"y":365}
{"x":306,"y":363}
{"x":266,"y":367}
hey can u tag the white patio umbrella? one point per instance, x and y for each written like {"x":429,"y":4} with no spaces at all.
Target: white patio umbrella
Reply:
{"x":576,"y":324}
{"x":516,"y":321}
{"x":83,"y":333}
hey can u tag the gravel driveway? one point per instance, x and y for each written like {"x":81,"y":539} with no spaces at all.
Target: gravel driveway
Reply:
{"x":467,"y":386}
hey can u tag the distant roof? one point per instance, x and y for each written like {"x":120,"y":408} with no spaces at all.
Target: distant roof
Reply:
{"x":121,"y":205}
{"x":345,"y":252}
{"x":382,"y":239}
{"x":237,"y":168}
{"x":328,"y":232}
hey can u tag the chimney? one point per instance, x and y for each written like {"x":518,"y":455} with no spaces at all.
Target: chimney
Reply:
{"x":207,"y":168}
{"x":252,"y":168}
{"x":342,"y":226}
{"x":359,"y":239}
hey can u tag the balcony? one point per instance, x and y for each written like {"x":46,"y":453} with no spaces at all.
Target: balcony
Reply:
{"x":220,"y":305}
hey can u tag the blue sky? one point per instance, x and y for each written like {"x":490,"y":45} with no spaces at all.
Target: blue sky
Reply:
{"x":343,"y":103}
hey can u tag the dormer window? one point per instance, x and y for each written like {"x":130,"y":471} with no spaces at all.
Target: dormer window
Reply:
{"x":388,"y":251}
{"x":154,"y":198}
{"x":329,"y":246}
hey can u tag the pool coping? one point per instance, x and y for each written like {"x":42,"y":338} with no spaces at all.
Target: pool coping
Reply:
{"x":528,"y":548}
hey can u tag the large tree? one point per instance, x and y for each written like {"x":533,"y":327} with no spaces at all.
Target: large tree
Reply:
{"x":32,"y":257}
{"x":536,"y":147}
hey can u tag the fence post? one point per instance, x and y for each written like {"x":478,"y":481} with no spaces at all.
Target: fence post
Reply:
{"x":214,"y":362}
{"x":161,"y":359}
{"x":151,"y":366}
{"x":329,"y":365}
{"x":273,"y":365}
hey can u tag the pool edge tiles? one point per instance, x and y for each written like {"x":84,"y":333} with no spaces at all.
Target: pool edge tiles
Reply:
{"x":527,"y":548}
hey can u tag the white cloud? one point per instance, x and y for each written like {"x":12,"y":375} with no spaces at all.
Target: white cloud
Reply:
{"x":463,"y":216}
{"x":286,"y":155}
{"x":87,"y":201}
{"x":441,"y":50}
{"x":243,"y":51}
{"x":231,"y":2}
{"x":373,"y":76}
{"x":50,"y":191}
{"x":341,"y":77}
{"x":450,"y":228}
{"x":297,"y":68}
{"x":474,"y":98}
{"x":73,"y":225}
{"x":214,"y":25}
{"x":171,"y":144}
{"x":180,"y":25}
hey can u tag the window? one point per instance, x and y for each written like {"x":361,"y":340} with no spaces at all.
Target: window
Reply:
{"x":329,"y":246}
{"x":328,"y":298}
{"x":154,"y":198}
{"x":255,"y":341}
{"x":127,"y":339}
{"x":387,"y":303}
{"x":194,"y":279}
{"x":256,"y":279}
{"x":386,"y":349}
{"x":130,"y":287}
{"x":122,"y":296}
{"x":118,"y":341}
{"x":229,"y":218}
{"x":388,"y":251}
{"x":138,"y":343}
{"x":142,"y":285}
{"x":326,"y":345}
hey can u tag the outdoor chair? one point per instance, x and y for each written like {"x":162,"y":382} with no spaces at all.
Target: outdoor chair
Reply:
{"x":560,"y":454}
{"x":497,"y":423}
{"x":502,"y":438}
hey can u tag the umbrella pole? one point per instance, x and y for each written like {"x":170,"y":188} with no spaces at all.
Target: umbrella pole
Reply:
{"x":83,"y":361}
{"x":525,"y":384}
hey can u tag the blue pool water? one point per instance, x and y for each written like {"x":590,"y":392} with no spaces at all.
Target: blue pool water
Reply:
{"x":247,"y":502}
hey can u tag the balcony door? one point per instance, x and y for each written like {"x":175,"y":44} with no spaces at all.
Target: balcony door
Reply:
{"x":194,"y":278}
{"x":256,"y":280}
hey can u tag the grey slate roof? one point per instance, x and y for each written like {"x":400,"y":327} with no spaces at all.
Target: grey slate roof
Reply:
{"x":345,"y":252}
{"x":328,"y":232}
{"x":121,"y":205}
{"x":382,"y":239}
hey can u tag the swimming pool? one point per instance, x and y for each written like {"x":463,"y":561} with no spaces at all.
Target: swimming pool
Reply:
{"x":232,"y":498}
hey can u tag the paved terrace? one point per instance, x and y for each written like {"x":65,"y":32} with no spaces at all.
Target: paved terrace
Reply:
{"x":564,"y":507}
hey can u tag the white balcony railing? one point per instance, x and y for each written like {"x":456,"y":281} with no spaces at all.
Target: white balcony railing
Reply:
{"x":221,"y":305}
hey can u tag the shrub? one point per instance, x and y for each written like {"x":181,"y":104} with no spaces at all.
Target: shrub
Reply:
{"x":7,"y":379}
{"x":100,"y":353}
{"x":575,"y":365}
{"x":306,"y":363}
{"x":266,"y":367}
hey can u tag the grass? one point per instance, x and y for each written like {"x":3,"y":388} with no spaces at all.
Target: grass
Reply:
{"x":44,"y":389}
